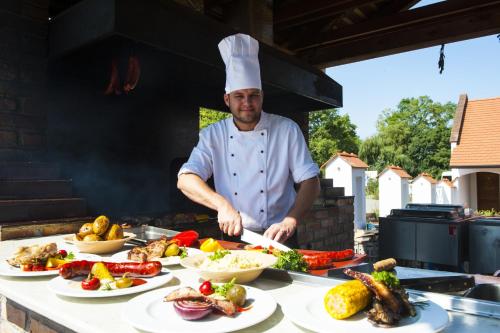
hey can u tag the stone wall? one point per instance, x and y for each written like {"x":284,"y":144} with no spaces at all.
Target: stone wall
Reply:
{"x":23,"y":64}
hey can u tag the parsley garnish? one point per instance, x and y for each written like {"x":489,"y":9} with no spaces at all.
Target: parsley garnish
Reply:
{"x":388,"y":278}
{"x":219,"y":254}
{"x":70,"y":256}
{"x":291,"y":261}
{"x":223,"y":289}
{"x":184,"y":252}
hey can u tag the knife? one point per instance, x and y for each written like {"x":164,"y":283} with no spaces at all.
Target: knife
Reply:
{"x":254,"y":238}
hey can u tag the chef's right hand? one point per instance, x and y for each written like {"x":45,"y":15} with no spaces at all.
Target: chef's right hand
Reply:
{"x":229,"y":220}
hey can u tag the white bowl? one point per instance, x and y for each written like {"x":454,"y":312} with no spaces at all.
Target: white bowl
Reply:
{"x":242,"y":275}
{"x":98,"y":247}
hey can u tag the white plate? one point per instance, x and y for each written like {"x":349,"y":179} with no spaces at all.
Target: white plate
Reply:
{"x":166,"y":261}
{"x":8,"y":270}
{"x":152,"y":314}
{"x":72,"y":287}
{"x":307,"y":310}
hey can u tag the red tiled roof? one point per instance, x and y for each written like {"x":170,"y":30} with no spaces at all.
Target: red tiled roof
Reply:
{"x":397,"y":170}
{"x":351,"y":158}
{"x":479,"y":137}
{"x":427,"y":177}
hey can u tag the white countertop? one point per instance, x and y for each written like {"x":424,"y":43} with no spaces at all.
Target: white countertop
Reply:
{"x":104,"y":314}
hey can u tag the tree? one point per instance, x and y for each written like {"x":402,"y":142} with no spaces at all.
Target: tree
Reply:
{"x":330,"y":132}
{"x":415,"y":136}
{"x":209,"y":117}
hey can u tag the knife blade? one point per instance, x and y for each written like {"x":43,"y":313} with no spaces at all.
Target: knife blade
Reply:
{"x":254,"y":238}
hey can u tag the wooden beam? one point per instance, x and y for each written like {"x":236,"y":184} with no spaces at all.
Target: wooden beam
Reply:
{"x":421,"y":16}
{"x":401,"y":37}
{"x":304,"y":11}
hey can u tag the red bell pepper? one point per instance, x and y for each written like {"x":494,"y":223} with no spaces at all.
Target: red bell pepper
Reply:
{"x":186,"y":238}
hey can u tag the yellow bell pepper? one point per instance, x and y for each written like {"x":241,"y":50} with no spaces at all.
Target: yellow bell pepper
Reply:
{"x":210,"y":245}
{"x":54,"y":262}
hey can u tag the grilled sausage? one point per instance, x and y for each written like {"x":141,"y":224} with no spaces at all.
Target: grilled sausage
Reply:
{"x":135,"y":269}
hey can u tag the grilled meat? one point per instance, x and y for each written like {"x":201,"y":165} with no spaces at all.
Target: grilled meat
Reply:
{"x":189,"y":294}
{"x":152,"y":251}
{"x":33,"y":254}
{"x":184,"y":293}
{"x":382,"y":293}
{"x":403,"y":297}
{"x":381,"y":315}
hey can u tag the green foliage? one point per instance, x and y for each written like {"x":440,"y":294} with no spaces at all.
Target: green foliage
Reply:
{"x":487,"y":213}
{"x":209,"y":117}
{"x":371,"y":188}
{"x":330,"y":132}
{"x":415,"y":136}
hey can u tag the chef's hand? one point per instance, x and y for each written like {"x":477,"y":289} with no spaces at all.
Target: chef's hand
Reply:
{"x":280,"y":232}
{"x":229,"y":220}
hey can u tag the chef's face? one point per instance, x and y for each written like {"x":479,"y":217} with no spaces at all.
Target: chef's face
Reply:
{"x":246,"y":106}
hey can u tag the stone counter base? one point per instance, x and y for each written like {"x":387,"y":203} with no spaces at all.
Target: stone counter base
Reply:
{"x":17,"y":319}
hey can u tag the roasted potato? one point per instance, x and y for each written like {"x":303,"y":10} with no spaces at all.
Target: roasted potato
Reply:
{"x":114,"y":232}
{"x":85,"y":230}
{"x":92,"y":238}
{"x":100,"y":225}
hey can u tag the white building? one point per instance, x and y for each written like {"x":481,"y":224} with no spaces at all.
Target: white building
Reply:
{"x":393,"y":189}
{"x":445,"y":192}
{"x":423,"y":189}
{"x":475,"y":153}
{"x":348,"y":171}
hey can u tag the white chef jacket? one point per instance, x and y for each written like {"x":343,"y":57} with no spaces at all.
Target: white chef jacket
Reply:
{"x":254,"y":170}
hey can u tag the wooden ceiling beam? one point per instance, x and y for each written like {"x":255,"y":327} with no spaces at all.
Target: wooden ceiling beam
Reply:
{"x":302,"y":12}
{"x":427,"y":15}
{"x":479,"y":22}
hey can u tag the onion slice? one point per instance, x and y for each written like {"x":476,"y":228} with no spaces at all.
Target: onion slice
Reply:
{"x":192,"y":310}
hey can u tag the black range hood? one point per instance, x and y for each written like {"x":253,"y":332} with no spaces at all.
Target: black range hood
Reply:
{"x":189,"y":40}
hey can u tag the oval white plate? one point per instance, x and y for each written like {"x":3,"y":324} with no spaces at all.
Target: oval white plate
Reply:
{"x":72,"y":287}
{"x":8,"y":270}
{"x":307,"y":310}
{"x":166,"y":261}
{"x":152,"y":314}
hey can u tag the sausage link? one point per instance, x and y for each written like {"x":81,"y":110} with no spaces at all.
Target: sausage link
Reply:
{"x":135,"y":269}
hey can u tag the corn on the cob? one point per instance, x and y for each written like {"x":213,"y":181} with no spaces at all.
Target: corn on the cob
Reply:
{"x":346,"y":299}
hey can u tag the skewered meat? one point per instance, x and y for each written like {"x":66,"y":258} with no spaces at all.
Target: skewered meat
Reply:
{"x":33,"y":254}
{"x":382,"y":293}
{"x":403,"y":297}
{"x":189,"y":294}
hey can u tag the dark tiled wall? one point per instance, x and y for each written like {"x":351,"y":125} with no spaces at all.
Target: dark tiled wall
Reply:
{"x":23,"y":64}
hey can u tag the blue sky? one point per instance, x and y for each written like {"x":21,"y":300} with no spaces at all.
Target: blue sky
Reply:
{"x":370,"y":86}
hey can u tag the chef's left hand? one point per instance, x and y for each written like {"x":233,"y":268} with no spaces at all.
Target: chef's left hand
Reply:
{"x":280,"y":232}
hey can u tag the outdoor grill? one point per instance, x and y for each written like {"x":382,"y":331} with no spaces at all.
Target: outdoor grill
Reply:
{"x":433,"y":234}
{"x":484,"y":245}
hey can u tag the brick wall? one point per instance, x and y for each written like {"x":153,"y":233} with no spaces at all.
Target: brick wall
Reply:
{"x":329,"y":225}
{"x":23,"y":64}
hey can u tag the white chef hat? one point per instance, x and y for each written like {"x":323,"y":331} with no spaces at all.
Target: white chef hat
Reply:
{"x":240,"y":53}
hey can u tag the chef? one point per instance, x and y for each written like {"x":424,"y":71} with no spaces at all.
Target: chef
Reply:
{"x":255,"y":157}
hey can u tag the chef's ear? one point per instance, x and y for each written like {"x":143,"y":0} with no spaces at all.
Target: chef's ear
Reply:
{"x":226,"y":99}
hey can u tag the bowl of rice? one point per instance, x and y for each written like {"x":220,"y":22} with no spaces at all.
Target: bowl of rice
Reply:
{"x":222,"y":266}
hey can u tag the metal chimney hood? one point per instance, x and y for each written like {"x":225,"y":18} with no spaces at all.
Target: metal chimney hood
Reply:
{"x":189,"y":39}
